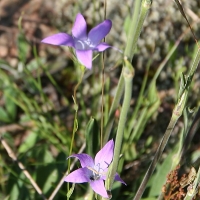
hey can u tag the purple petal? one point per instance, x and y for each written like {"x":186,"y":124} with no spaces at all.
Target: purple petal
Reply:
{"x":85,"y":159}
{"x":59,"y":39}
{"x":81,"y":175}
{"x":100,"y":31}
{"x":102,"y":47}
{"x":79,"y":29}
{"x":105,"y":155}
{"x":99,"y":188}
{"x":117,"y":178}
{"x":104,"y":174}
{"x":85,"y":57}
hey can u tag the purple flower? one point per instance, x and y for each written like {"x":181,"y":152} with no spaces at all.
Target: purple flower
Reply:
{"x":83,"y":43}
{"x":94,"y":171}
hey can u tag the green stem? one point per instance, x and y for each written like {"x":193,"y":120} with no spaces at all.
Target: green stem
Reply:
{"x":128,"y":73}
{"x":132,"y":41}
{"x":146,"y":4}
{"x":133,"y":35}
{"x":102,"y":99}
{"x":75,"y":125}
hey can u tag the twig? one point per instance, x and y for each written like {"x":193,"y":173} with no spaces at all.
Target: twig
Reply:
{"x":21,"y":166}
{"x":66,"y":173}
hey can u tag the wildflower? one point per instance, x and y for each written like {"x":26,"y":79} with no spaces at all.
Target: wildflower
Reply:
{"x":83,"y":43}
{"x":94,"y":171}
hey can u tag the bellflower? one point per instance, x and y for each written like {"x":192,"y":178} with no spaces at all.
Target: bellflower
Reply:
{"x":94,"y":171}
{"x":83,"y":43}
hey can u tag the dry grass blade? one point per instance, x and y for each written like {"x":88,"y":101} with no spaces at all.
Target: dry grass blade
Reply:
{"x":180,"y":7}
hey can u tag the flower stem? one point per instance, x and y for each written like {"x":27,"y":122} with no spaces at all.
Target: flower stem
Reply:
{"x":102,"y":98}
{"x":128,"y":74}
{"x":75,"y":125}
{"x":133,"y":35}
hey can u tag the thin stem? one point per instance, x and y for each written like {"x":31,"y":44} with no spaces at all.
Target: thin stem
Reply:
{"x":76,"y":87}
{"x":102,"y":87}
{"x":75,"y":124}
{"x":102,"y":100}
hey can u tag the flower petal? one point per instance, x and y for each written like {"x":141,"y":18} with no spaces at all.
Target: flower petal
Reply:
{"x":79,"y":29}
{"x":99,"y":32}
{"x":117,"y":178}
{"x":85,"y":159}
{"x":81,"y":175}
{"x":104,"y":174}
{"x":102,"y":47}
{"x":59,"y":39}
{"x":85,"y":57}
{"x":105,"y":155}
{"x":99,"y":188}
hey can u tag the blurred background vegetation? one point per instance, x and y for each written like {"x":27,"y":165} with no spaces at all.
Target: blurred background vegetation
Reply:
{"x":37,"y":83}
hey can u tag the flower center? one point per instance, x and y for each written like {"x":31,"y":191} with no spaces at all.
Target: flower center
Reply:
{"x":84,"y":44}
{"x":97,"y":172}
